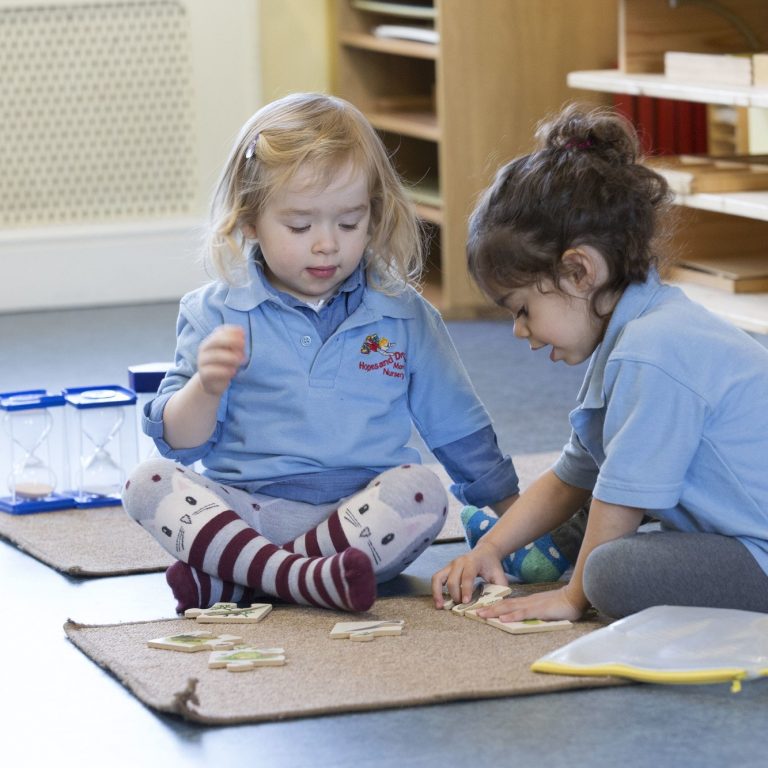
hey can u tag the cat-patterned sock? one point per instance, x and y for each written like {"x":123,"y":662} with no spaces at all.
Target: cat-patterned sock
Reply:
{"x":393,"y":520}
{"x":197,"y":527}
{"x":195,"y":589}
{"x":540,"y":561}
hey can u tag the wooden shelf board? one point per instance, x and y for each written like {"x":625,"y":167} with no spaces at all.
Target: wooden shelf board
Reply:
{"x":392,"y":46}
{"x":750,"y":205}
{"x":660,"y":86}
{"x":419,"y":125}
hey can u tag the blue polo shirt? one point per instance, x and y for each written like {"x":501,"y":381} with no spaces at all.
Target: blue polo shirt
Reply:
{"x":318,"y":410}
{"x":673,"y":418}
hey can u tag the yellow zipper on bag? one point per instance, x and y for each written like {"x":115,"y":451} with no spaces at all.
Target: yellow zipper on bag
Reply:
{"x":671,"y":677}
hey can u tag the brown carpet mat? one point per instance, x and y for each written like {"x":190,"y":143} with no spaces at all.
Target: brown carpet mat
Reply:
{"x":106,"y":542}
{"x":439,"y":657}
{"x":101,"y":541}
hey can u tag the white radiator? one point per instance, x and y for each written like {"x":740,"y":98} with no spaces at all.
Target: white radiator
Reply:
{"x":115,"y":119}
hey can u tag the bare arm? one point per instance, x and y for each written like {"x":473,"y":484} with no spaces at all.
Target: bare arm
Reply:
{"x":541,"y":508}
{"x":189,"y":417}
{"x":500,"y":507}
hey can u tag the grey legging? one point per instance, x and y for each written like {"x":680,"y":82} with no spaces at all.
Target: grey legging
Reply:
{"x":674,"y":568}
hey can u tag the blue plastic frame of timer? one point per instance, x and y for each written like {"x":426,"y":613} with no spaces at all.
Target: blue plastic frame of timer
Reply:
{"x":34,"y":399}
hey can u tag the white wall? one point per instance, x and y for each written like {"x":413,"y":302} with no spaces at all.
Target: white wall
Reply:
{"x":130,"y":259}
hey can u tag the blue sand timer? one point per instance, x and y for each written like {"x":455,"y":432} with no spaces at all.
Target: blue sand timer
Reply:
{"x":102,"y":427}
{"x":35,"y":451}
{"x":144,"y":379}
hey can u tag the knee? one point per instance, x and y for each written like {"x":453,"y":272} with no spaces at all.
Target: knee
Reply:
{"x":416,"y":487}
{"x":603,"y":579}
{"x":142,"y":481}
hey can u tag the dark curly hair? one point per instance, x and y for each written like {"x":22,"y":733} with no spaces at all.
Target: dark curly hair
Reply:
{"x":584,"y":185}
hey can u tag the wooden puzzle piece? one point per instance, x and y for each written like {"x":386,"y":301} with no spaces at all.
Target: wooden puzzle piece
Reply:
{"x":229,"y":613}
{"x":524,"y":627}
{"x":244,"y":658}
{"x":190,"y":642}
{"x":362,"y":631}
{"x":490,"y":594}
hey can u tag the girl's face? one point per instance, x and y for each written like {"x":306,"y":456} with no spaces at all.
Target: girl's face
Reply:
{"x":313,"y":237}
{"x":560,"y":319}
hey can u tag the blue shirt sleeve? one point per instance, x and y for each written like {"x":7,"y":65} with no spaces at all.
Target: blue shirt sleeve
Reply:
{"x":481,"y":474}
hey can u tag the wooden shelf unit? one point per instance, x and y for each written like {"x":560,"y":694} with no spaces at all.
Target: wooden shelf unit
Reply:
{"x":711,"y":225}
{"x":453,"y":112}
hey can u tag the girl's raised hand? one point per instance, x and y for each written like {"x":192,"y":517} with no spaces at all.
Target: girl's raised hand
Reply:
{"x":548,"y":606}
{"x":460,"y":574}
{"x":219,"y":358}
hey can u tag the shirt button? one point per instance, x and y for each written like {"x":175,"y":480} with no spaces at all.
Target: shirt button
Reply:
{"x":306,"y":341}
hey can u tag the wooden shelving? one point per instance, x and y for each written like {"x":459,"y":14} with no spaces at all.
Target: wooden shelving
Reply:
{"x":451,"y":113}
{"x":713,"y":226}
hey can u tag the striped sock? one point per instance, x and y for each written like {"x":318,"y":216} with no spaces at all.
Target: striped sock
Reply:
{"x":197,"y":527}
{"x":393,"y":520}
{"x":196,"y":589}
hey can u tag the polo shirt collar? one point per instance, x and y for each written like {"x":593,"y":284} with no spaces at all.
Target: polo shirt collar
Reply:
{"x":632,"y":304}
{"x":255,"y":291}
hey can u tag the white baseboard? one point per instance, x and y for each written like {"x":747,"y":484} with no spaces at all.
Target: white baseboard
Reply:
{"x":99,"y":265}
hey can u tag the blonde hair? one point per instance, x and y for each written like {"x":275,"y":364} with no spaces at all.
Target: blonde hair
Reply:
{"x":323,"y":133}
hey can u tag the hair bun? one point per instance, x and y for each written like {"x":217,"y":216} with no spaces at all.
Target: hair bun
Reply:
{"x":595,"y":130}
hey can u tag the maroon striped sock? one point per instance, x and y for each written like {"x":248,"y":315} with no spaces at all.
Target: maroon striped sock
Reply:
{"x":224,"y":546}
{"x":194,"y":589}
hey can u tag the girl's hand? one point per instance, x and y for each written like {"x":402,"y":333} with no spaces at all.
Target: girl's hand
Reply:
{"x":460,"y":574}
{"x":547,"y":606}
{"x":219,"y":358}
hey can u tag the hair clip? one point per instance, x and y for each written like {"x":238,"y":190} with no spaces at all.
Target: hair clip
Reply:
{"x":251,"y":149}
{"x":575,"y":144}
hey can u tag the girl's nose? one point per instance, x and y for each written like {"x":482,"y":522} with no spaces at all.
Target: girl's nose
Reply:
{"x":520,"y":329}
{"x":325,"y":242}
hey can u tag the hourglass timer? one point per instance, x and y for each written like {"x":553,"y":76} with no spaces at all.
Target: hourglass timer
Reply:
{"x":102,"y":428}
{"x":34,"y":451}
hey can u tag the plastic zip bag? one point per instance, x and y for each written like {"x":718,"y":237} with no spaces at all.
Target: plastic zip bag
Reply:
{"x":670,"y":644}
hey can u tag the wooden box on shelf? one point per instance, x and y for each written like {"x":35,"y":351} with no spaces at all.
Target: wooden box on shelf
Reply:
{"x":693,"y":174}
{"x":736,"y":274}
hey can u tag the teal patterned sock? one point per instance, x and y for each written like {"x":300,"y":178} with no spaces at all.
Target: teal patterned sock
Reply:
{"x":541,"y":561}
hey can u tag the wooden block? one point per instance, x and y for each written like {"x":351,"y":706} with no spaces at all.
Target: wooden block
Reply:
{"x":709,"y":68}
{"x":229,"y":613}
{"x":760,"y":69}
{"x":364,"y":630}
{"x":191,"y":642}
{"x":244,"y":658}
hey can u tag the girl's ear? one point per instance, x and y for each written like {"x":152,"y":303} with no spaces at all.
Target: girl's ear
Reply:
{"x":249,"y":231}
{"x":583,"y":267}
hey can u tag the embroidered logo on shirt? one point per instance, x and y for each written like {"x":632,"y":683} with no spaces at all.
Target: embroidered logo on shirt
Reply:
{"x":374,"y":343}
{"x":392,"y":364}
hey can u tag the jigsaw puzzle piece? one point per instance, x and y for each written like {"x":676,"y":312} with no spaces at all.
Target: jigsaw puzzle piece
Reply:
{"x":489,"y":594}
{"x":190,"y":642}
{"x":229,"y":613}
{"x":361,"y":631}
{"x":246,"y":657}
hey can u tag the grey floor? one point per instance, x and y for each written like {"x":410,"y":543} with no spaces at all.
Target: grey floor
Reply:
{"x":57,"y":705}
